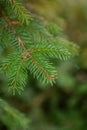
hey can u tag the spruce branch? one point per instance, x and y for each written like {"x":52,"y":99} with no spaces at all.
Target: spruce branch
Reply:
{"x":32,"y":44}
{"x":15,"y":67}
{"x":22,"y":13}
{"x":42,"y":69}
{"x":51,"y":51}
{"x":12,"y":117}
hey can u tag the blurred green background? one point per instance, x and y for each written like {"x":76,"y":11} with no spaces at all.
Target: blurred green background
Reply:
{"x":63,"y":106}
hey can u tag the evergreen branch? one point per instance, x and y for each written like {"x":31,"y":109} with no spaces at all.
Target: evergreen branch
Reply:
{"x":12,"y":117}
{"x":50,"y":51}
{"x":42,"y":69}
{"x":53,"y":29}
{"x":18,"y":71}
{"x":4,"y":15}
{"x":22,"y":14}
{"x":70,"y":46}
{"x":32,"y":34}
{"x":10,"y":23}
{"x":32,"y":46}
{"x":9,"y":61}
{"x":17,"y":75}
{"x":8,"y":39}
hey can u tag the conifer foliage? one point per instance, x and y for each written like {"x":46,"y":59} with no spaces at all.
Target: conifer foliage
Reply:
{"x":31,"y":46}
{"x":12,"y":117}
